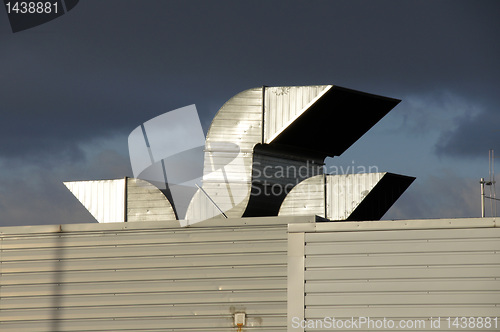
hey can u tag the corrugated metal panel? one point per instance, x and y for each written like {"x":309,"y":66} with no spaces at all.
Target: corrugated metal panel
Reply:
{"x":287,"y":123}
{"x":308,"y":197}
{"x":352,"y":112}
{"x":345,"y":193}
{"x":402,"y":274}
{"x":284,"y":104}
{"x":146,"y":202}
{"x":347,"y":197}
{"x":104,"y":199}
{"x":226,"y":179}
{"x":144,"y":276}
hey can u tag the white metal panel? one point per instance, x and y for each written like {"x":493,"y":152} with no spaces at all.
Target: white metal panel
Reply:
{"x":107,"y":200}
{"x":155,"y":323}
{"x":104,"y":199}
{"x":342,"y":194}
{"x":146,"y":202}
{"x":132,"y":286}
{"x":284,"y":104}
{"x":399,"y":271}
{"x":468,"y":224}
{"x":308,"y":197}
{"x":345,"y":192}
{"x":227,"y":178}
{"x":139,"y":311}
{"x":144,"y":276}
{"x":296,"y":267}
{"x":252,"y":117}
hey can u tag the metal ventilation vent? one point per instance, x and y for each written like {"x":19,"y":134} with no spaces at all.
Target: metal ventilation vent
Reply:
{"x":280,"y":128}
{"x":256,"y":134}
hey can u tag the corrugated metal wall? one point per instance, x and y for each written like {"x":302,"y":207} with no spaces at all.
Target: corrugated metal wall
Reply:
{"x":346,"y":191}
{"x":103,"y":198}
{"x":145,"y":202}
{"x":284,"y":104}
{"x":308,"y":197}
{"x":144,"y":276}
{"x":107,"y":200}
{"x":449,"y":270}
{"x":226,"y":177}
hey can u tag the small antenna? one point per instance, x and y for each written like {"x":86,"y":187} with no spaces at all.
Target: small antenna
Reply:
{"x":493,"y":192}
{"x":491,"y":183}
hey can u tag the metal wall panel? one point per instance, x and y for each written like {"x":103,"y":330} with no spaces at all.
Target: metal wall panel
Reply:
{"x":144,"y":276}
{"x":308,"y":197}
{"x":226,"y":179}
{"x":345,"y":192}
{"x":400,"y":271}
{"x":284,"y":104}
{"x":347,"y":197}
{"x":104,"y":199}
{"x":146,"y":202}
{"x":284,"y":123}
{"x":107,"y":200}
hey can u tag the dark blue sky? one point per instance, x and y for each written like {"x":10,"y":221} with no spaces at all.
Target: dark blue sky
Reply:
{"x":73,"y":89}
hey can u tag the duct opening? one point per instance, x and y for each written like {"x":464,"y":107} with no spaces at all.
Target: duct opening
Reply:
{"x":335,"y":121}
{"x":276,"y":170}
{"x":380,"y":199}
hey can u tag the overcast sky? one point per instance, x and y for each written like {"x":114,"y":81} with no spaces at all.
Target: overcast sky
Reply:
{"x":73,"y":89}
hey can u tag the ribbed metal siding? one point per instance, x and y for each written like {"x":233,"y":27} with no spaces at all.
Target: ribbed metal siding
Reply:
{"x":149,"y":278}
{"x":145,"y":202}
{"x":107,"y":200}
{"x":284,"y":104}
{"x":345,"y":192}
{"x":308,"y":197}
{"x":103,"y":198}
{"x":403,"y":274}
{"x":226,"y":178}
{"x":342,"y":195}
{"x":252,"y":117}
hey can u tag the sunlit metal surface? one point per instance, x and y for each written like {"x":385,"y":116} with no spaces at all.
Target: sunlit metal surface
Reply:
{"x":107,"y":200}
{"x":275,"y":128}
{"x":261,"y":144}
{"x":346,"y":197}
{"x":104,"y":199}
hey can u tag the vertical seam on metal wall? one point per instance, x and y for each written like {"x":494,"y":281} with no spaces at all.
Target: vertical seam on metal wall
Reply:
{"x":1,"y":269}
{"x":125,"y":200}
{"x":263,"y":113}
{"x":295,"y":279}
{"x":325,"y":187}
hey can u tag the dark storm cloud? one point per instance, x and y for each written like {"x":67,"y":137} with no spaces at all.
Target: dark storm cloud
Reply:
{"x":34,"y":195}
{"x":108,"y":66}
{"x":443,"y":195}
{"x":473,"y":137}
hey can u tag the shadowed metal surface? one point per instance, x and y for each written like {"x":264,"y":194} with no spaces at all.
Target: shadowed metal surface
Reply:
{"x":381,"y":197}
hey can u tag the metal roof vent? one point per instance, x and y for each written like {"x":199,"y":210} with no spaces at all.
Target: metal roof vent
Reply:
{"x":122,"y":200}
{"x":292,"y":128}
{"x":276,"y":128}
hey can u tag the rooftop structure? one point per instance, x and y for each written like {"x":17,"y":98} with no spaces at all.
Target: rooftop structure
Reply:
{"x":264,"y":156}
